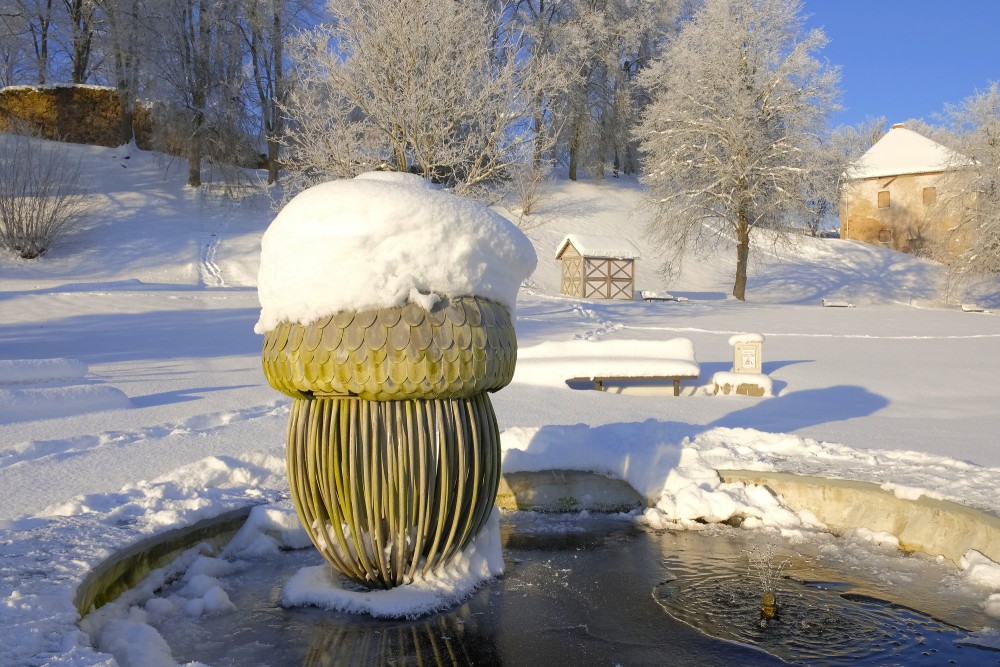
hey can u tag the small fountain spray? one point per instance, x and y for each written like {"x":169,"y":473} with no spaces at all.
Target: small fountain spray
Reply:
{"x":762,"y":566}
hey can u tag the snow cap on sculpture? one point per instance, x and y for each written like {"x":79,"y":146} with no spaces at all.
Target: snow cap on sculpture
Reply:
{"x":385,"y":239}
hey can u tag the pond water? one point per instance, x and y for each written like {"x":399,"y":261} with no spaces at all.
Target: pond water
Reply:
{"x":588,"y":590}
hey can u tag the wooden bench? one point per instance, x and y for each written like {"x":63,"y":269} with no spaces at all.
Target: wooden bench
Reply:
{"x":610,"y":361}
{"x":676,"y":379}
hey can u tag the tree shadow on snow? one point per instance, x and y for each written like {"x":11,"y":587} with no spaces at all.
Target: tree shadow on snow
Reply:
{"x":119,"y":337}
{"x":650,"y":449}
{"x":179,"y":396}
{"x":802,"y":409}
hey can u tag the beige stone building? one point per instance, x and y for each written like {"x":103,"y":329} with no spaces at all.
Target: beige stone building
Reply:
{"x":893,"y":194}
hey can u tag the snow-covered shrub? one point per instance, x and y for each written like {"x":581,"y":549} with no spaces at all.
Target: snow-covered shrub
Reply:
{"x":40,"y":194}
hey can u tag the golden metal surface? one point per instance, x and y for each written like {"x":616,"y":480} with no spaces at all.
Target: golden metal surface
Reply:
{"x":461,"y":347}
{"x":387,"y":490}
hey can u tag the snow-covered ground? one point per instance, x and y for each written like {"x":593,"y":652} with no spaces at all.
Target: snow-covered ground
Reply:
{"x":152,"y":411}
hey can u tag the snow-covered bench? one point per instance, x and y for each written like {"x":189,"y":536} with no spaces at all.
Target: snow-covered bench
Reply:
{"x":649,"y":295}
{"x":609,"y":361}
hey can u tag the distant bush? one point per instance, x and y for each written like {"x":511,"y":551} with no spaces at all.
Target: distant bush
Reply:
{"x":40,"y":195}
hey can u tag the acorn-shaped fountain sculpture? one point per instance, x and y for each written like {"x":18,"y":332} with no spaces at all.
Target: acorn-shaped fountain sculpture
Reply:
{"x":386,"y":311}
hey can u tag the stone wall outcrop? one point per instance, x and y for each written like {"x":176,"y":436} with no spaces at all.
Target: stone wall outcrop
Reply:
{"x":81,"y":114}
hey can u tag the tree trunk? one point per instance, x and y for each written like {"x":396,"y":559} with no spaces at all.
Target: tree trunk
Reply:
{"x":538,"y":123}
{"x":573,"y":145}
{"x":742,"y":257}
{"x":125,"y":118}
{"x":273,"y":149}
{"x":194,"y":151}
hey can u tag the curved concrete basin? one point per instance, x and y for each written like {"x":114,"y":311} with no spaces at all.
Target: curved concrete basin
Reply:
{"x":128,"y":567}
{"x":929,"y":525}
{"x":936,"y":527}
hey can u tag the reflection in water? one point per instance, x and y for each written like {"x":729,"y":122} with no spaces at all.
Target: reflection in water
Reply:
{"x":443,"y":640}
{"x":820,"y":621}
{"x":591,"y":590}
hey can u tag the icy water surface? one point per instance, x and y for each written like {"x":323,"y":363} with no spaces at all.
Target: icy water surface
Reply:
{"x":600,"y":591}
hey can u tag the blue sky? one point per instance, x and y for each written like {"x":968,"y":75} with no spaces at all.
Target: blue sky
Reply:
{"x":906,"y":59}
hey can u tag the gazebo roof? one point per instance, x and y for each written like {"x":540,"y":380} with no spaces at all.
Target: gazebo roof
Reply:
{"x":602,"y":247}
{"x":902,"y":151}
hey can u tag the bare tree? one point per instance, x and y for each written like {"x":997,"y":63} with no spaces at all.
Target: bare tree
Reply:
{"x":408,"y":85}
{"x":31,"y":22}
{"x":14,"y":43}
{"x":731,"y":134}
{"x":265,"y":26}
{"x":81,"y":16}
{"x":201,"y":73}
{"x":40,"y":196}
{"x":123,"y":39}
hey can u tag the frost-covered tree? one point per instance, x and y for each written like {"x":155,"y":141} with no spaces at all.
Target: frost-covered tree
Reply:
{"x":265,"y":26}
{"x":731,"y":135}
{"x":408,"y":85}
{"x":48,"y":40}
{"x":837,"y":150}
{"x":540,"y":22}
{"x":975,"y":181}
{"x":589,"y":53}
{"x":200,"y":68}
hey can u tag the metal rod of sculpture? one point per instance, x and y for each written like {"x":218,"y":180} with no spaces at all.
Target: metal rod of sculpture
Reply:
{"x":393,"y":449}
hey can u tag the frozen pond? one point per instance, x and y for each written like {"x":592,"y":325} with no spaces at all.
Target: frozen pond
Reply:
{"x":601,"y":591}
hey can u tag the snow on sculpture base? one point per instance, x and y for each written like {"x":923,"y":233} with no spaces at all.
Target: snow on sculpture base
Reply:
{"x":478,"y":563}
{"x":390,"y":490}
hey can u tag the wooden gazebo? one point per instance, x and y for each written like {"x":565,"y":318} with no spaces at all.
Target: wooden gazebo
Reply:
{"x":597,"y":267}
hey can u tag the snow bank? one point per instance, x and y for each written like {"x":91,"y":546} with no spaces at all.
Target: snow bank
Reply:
{"x":17,"y":371}
{"x":677,"y":476}
{"x":52,"y":402}
{"x":383,"y":240}
{"x":47,"y":558}
{"x":22,"y":403}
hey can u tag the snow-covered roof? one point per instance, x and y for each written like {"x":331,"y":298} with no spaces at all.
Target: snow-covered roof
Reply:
{"x":902,"y":151}
{"x":605,"y":247}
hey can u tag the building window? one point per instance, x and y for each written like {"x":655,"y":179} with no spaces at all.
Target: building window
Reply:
{"x":885,"y":235}
{"x":883,"y":199}
{"x":930,"y":196}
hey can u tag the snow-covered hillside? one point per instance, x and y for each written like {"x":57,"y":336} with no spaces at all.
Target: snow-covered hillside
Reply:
{"x":160,"y":414}
{"x":149,"y":227}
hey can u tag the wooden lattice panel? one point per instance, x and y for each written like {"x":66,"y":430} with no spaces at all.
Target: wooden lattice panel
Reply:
{"x":609,"y":279}
{"x":572,"y":276}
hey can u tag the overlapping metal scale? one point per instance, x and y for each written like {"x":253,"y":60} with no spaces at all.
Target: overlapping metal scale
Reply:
{"x":462,"y":346}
